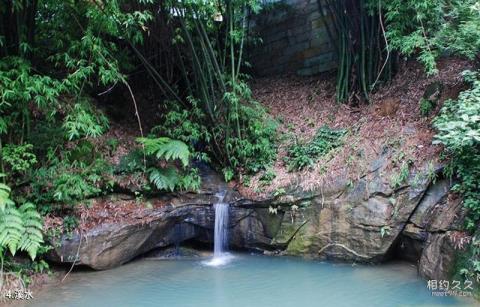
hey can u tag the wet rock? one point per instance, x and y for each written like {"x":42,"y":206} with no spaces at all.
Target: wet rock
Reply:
{"x":359,"y":223}
{"x":173,"y":253}
{"x":367,"y":222}
{"x":110,"y":245}
{"x":438,"y":257}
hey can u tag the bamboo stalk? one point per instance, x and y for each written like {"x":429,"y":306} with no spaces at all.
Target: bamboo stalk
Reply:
{"x":358,"y":45}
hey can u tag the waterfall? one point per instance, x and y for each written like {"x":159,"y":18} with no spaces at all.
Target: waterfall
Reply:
{"x":220,"y":243}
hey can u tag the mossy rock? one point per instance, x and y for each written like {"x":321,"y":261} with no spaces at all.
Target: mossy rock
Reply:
{"x":299,"y":244}
{"x":292,"y":236}
{"x":270,"y":222}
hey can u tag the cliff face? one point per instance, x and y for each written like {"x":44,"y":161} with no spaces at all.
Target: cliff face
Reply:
{"x":366,"y":221}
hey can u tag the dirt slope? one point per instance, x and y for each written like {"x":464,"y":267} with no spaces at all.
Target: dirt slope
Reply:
{"x":391,"y":120}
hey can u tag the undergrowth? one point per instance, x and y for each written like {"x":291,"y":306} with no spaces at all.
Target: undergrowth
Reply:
{"x":303,"y":155}
{"x":170,"y":169}
{"x":458,"y":127}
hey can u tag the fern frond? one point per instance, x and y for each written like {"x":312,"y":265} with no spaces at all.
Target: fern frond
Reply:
{"x":166,"y":148}
{"x":152,"y":145}
{"x":5,"y":188}
{"x":4,"y":196}
{"x":174,"y":150}
{"x":32,"y":221}
{"x":11,"y":228}
{"x":164,"y":179}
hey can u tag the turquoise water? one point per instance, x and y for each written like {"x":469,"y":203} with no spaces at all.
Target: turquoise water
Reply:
{"x":248,"y":280}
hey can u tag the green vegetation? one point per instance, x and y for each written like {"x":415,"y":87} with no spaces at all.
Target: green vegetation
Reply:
{"x":62,"y":183}
{"x":426,"y":107}
{"x":20,"y":228}
{"x":218,"y":109}
{"x":369,"y":43}
{"x":458,"y":127}
{"x":467,"y":266}
{"x":385,"y":231}
{"x":83,"y":121}
{"x":304,"y":155}
{"x":267,"y":177}
{"x":362,"y":51}
{"x":429,"y":28}
{"x":381,"y":31}
{"x":169,"y":177}
{"x":459,"y":130}
{"x":426,"y":30}
{"x":401,"y":177}
{"x":64,"y":65}
{"x":18,"y":158}
{"x":59,"y":58}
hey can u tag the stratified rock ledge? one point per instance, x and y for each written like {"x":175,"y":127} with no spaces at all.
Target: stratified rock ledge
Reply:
{"x":364,"y":222}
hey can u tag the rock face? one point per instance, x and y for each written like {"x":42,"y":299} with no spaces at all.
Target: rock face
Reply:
{"x":110,"y":245}
{"x":368,"y":221}
{"x":432,"y":228}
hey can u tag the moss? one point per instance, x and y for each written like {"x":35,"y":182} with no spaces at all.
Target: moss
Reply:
{"x":299,"y":244}
{"x":284,"y":234}
{"x":426,"y":107}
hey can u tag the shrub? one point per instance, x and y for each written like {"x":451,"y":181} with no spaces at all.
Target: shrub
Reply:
{"x":84,"y":121}
{"x":248,"y":151}
{"x":426,"y":107}
{"x":256,"y":149}
{"x":267,"y":177}
{"x":458,"y":126}
{"x":19,"y":158}
{"x":401,"y":177}
{"x":64,"y":182}
{"x":131,"y":163}
{"x":304,"y":155}
{"x":430,"y":28}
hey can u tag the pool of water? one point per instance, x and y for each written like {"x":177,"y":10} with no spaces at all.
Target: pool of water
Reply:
{"x":247,"y":280}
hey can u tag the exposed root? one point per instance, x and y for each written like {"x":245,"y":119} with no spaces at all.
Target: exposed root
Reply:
{"x":344,"y":247}
{"x":76,"y":257}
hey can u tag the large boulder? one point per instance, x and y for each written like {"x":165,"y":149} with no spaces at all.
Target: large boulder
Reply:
{"x":351,"y":222}
{"x":438,"y":257}
{"x":110,"y":245}
{"x":429,"y":235}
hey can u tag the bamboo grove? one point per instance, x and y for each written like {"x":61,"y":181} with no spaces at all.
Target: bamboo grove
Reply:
{"x":371,"y":35}
{"x":358,"y":34}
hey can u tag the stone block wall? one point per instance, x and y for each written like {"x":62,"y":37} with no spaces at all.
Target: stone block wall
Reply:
{"x":295,"y":39}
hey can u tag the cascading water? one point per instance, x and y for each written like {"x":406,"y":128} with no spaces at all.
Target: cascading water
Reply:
{"x":220,"y":243}
{"x":221,"y":229}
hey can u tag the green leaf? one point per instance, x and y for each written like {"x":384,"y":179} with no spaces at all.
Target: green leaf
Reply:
{"x":164,"y":179}
{"x":167,"y":149}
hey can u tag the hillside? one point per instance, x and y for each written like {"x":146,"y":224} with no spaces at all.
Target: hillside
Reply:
{"x":392,"y":120}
